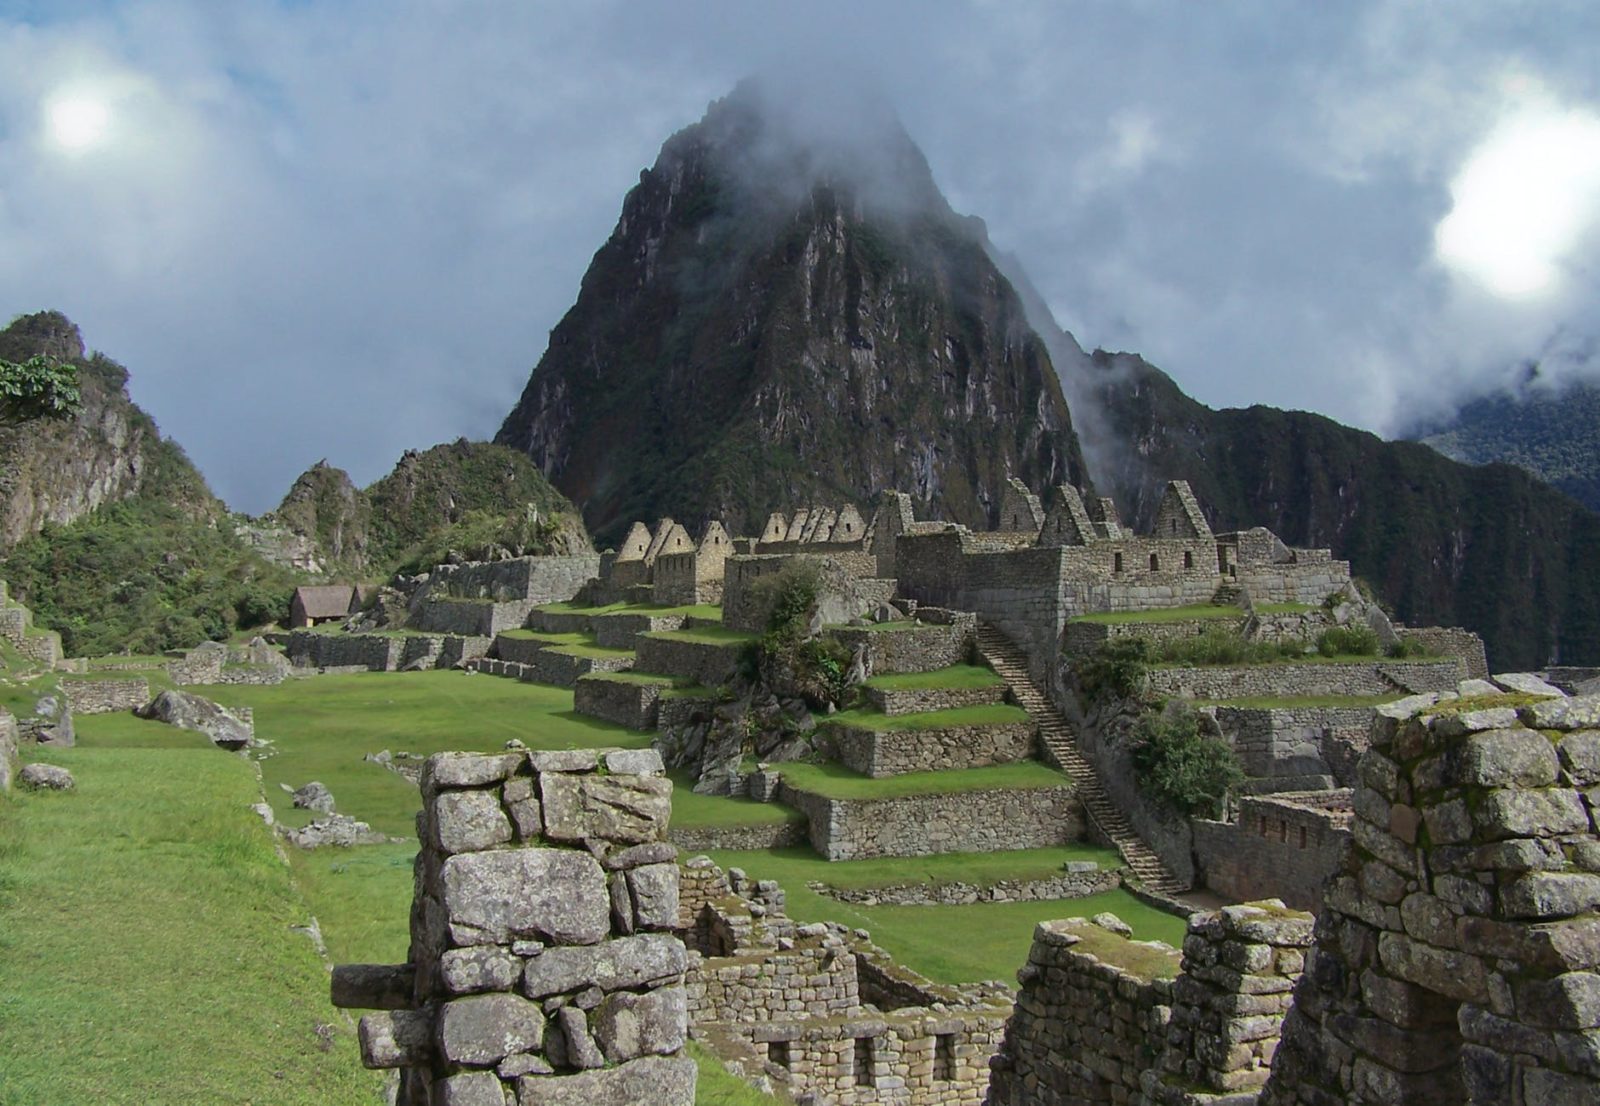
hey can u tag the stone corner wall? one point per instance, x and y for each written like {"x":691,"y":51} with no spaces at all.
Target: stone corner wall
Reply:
{"x":1457,"y":954}
{"x":543,"y":965}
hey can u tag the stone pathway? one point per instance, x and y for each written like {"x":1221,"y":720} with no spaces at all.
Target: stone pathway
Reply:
{"x":1061,"y":750}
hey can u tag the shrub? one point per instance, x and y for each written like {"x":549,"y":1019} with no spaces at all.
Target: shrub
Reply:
{"x":1116,"y":670}
{"x":1181,"y":768}
{"x":1348,"y":641}
{"x":1217,"y":645}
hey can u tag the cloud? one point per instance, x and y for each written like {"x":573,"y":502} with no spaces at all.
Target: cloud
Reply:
{"x":345,"y":229}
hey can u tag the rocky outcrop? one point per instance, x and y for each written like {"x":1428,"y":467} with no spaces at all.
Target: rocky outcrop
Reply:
{"x":192,"y":712}
{"x":46,"y":777}
{"x":57,"y":472}
{"x":777,"y":319}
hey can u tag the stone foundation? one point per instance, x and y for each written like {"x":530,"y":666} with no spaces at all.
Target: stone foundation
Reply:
{"x":707,"y":664}
{"x":1306,"y":678}
{"x":921,"y":700}
{"x":105,"y":696}
{"x":880,"y":753}
{"x":625,"y":702}
{"x":923,"y":825}
{"x":543,"y":965}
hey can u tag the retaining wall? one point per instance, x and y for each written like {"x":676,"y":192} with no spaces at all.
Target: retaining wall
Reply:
{"x":624,"y":702}
{"x":923,"y":825}
{"x":912,"y":647}
{"x":707,"y":664}
{"x":1306,"y":678}
{"x":105,"y":696}
{"x":1281,"y":846}
{"x":921,"y":700}
{"x":880,"y":753}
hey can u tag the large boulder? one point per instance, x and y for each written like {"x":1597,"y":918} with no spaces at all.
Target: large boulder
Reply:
{"x":8,"y":750}
{"x":337,"y":830}
{"x":52,"y":723}
{"x":192,"y":712}
{"x":45,"y":777}
{"x":314,"y":796}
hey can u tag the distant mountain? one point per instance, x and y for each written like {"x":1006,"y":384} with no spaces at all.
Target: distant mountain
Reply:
{"x":1552,"y":432}
{"x":463,"y":494}
{"x":782,"y":318}
{"x":1486,"y":547}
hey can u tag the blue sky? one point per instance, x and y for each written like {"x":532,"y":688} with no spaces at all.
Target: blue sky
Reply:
{"x":343,"y":230}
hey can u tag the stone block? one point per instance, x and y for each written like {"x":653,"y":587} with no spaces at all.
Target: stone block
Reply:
{"x":1563,"y":714}
{"x":477,"y":1088}
{"x":1580,"y":757}
{"x":577,"y":1048}
{"x":396,"y":1039}
{"x":373,"y":986}
{"x":1550,"y":812}
{"x":564,"y":760}
{"x":469,"y":821}
{"x":1507,"y":758}
{"x":484,"y":1029}
{"x":630,"y":962}
{"x":624,"y":810}
{"x":446,"y":770}
{"x":654,"y":891}
{"x":628,"y":1025}
{"x":656,"y":1080}
{"x":1552,"y":1088}
{"x":1550,"y":895}
{"x":634,"y":762}
{"x":548,"y":894}
{"x":1569,"y":1001}
{"x":479,"y":968}
{"x":1447,"y":971}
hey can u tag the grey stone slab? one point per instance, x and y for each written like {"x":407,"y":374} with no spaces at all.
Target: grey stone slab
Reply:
{"x":557,"y":895}
{"x":656,"y":1080}
{"x":484,"y":1029}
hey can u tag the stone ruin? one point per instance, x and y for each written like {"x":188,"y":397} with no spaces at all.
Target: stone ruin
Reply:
{"x":544,"y":968}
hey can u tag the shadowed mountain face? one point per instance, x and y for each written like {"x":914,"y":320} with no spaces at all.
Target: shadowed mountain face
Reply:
{"x":779,"y":319}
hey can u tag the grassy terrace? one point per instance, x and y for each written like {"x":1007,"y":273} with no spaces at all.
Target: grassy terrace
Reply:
{"x":158,"y":848}
{"x":834,"y":781}
{"x":696,"y":610}
{"x":569,"y":644}
{"x":672,"y":687}
{"x":701,"y":811}
{"x":949,"y":944}
{"x":987,"y":714}
{"x":1284,"y":658}
{"x":799,"y":866}
{"x":706,"y":635}
{"x":1198,"y":612}
{"x":958,"y":677}
{"x":1289,"y":701}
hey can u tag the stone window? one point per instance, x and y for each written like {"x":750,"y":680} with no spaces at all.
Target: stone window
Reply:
{"x":862,"y":1063}
{"x":1263,"y":825}
{"x":1155,"y":563}
{"x":1116,"y":562}
{"x":1173,"y":525}
{"x":778,"y":1053}
{"x":1188,"y":559}
{"x":1302,"y":837}
{"x":944,"y":1057}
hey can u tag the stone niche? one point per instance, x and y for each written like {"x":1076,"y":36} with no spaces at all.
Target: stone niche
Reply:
{"x":544,"y":967}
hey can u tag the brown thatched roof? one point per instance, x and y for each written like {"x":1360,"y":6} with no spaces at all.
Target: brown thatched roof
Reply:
{"x":325,"y":601}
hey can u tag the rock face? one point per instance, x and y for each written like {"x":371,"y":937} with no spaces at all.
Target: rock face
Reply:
{"x":111,"y":451}
{"x":192,"y":712}
{"x":777,"y":319}
{"x":314,"y":796}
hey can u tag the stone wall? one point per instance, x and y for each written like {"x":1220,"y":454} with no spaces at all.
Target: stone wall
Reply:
{"x":540,"y":580}
{"x":1080,"y":638}
{"x":443,"y":614}
{"x":768,"y":835}
{"x":847,"y":587}
{"x":1448,"y":641}
{"x":705,"y":663}
{"x":921,"y":700}
{"x":617,"y":631}
{"x":105,"y":696}
{"x":1305,"y":678}
{"x":374,"y":652}
{"x":923,"y":825}
{"x":8,"y":743}
{"x":518,"y":650}
{"x":1310,"y":581}
{"x":1091,"y":1013}
{"x":1281,"y":846}
{"x":912,"y":646}
{"x":625,"y":702}
{"x":890,"y":752}
{"x":1457,"y":945}
{"x":1091,"y":879}
{"x":1296,"y":748}
{"x":543,"y":963}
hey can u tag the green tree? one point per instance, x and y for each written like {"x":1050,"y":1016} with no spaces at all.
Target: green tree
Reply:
{"x":38,"y":388}
{"x":1182,"y":768}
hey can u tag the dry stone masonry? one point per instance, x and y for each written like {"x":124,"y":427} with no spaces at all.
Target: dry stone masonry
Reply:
{"x":1457,"y":955}
{"x":544,"y":968}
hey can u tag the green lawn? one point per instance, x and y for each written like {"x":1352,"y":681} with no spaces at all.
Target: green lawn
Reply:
{"x":796,"y":867}
{"x":949,"y":944}
{"x":706,"y":635}
{"x":322,"y":727}
{"x":592,"y":652}
{"x":573,"y":638}
{"x":983,"y":714}
{"x":1284,"y":608}
{"x":959,"y":677}
{"x":835,"y":781}
{"x":1289,"y":701}
{"x":696,"y":610}
{"x":698,"y":811}
{"x":141,"y":917}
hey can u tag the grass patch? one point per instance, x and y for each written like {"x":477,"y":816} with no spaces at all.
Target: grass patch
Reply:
{"x":643,"y":679}
{"x":686,"y":610}
{"x":141,"y":913}
{"x":706,"y":635}
{"x":1286,"y":702}
{"x":799,"y":866}
{"x":1284,"y":608}
{"x":956,"y":677}
{"x":719,"y":1087}
{"x":699,"y":811}
{"x":893,"y":626}
{"x":1199,"y":612}
{"x":574,"y":638}
{"x":983,"y":714}
{"x":592,"y":652}
{"x":322,"y":727}
{"x":362,"y":898}
{"x":949,"y":944}
{"x":835,"y":781}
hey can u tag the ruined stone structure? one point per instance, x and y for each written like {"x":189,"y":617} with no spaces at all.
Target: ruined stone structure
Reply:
{"x":105,"y":694}
{"x":1458,"y":946}
{"x":544,"y":966}
{"x":1283,"y":845}
{"x":820,"y":1010}
{"x":664,"y":566}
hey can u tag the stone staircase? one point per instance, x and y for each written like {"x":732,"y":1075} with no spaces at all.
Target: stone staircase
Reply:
{"x":1061,"y":749}
{"x":1228,"y":594}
